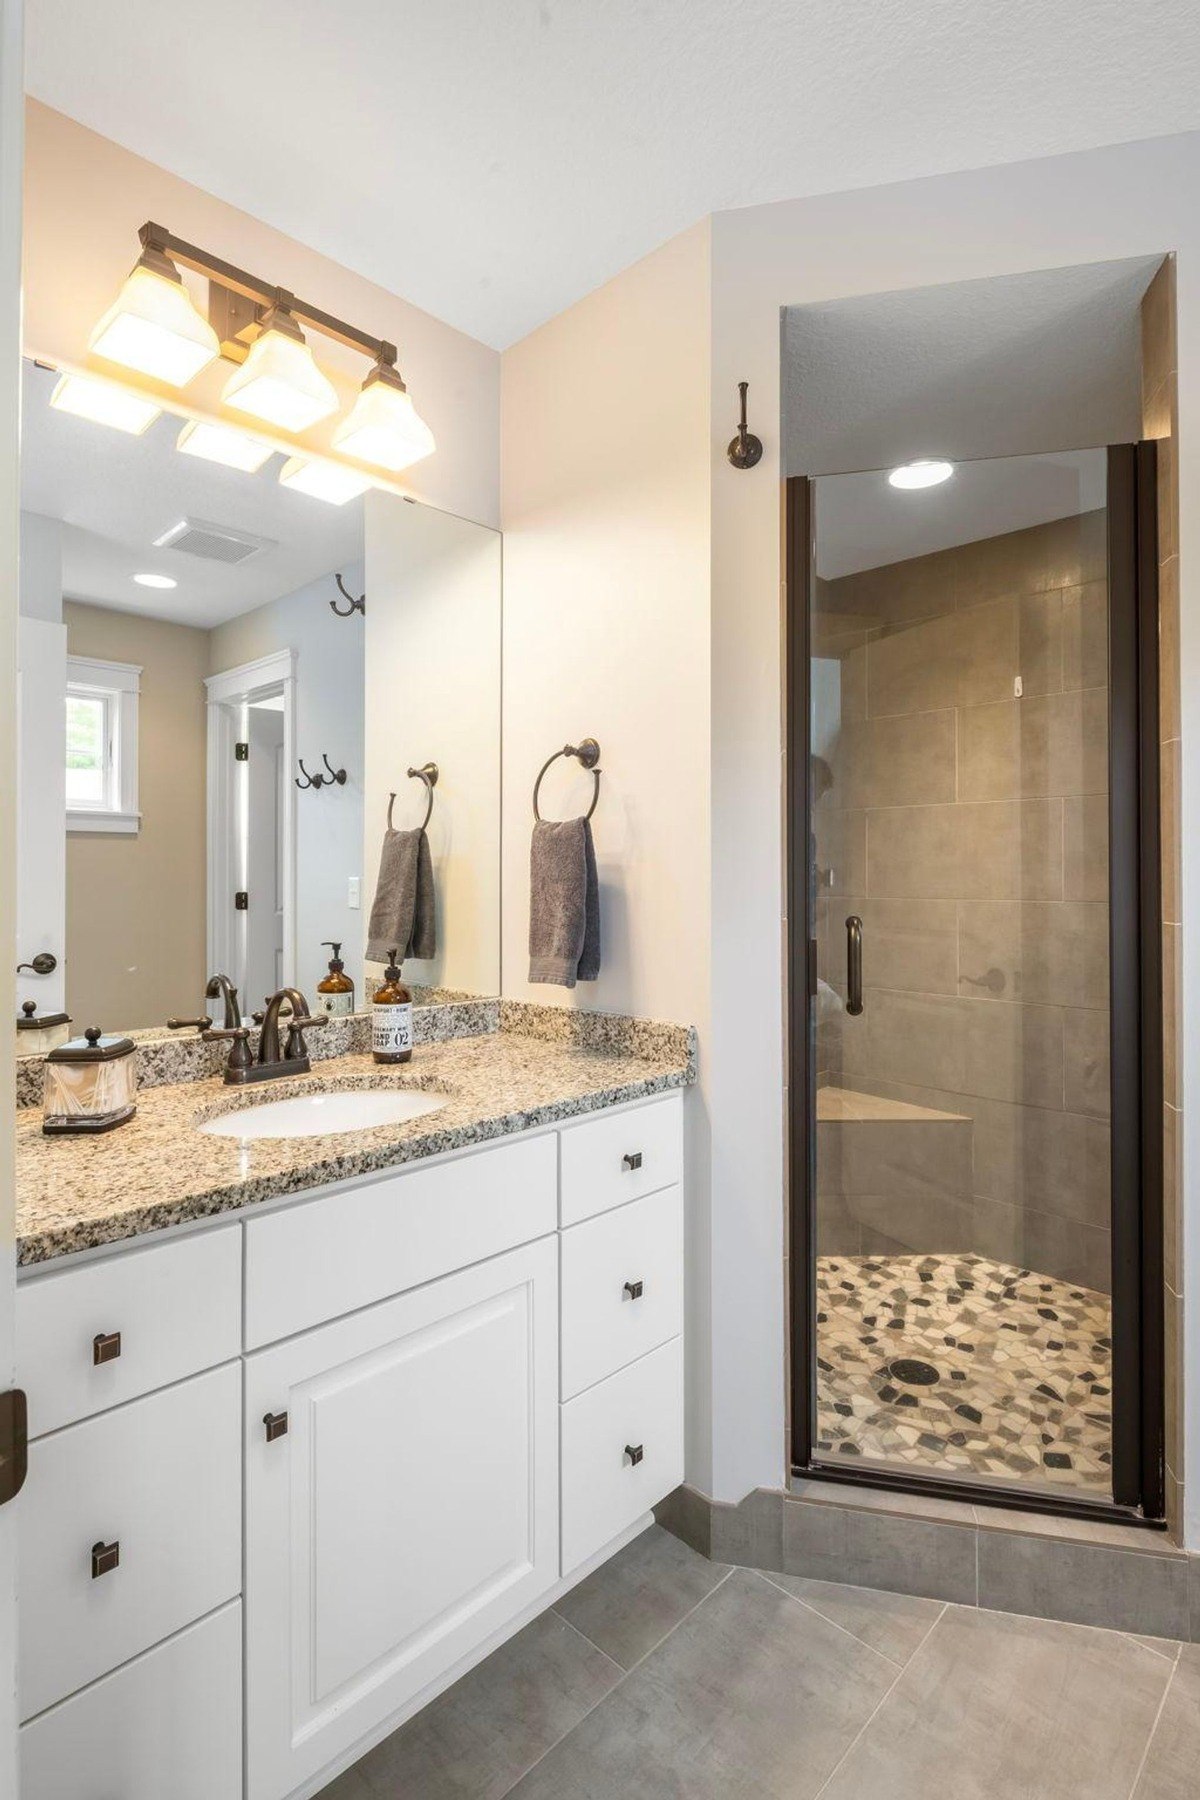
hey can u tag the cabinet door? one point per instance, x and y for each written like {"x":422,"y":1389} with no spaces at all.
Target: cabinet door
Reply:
{"x":409,"y":1510}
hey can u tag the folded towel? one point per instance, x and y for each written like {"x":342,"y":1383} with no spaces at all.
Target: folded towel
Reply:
{"x":403,"y":912}
{"x":564,"y":903}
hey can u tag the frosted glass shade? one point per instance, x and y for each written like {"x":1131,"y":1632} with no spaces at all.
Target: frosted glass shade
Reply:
{"x":223,"y":444}
{"x":153,"y":327}
{"x":384,"y":428}
{"x":323,"y":480}
{"x":105,"y":403}
{"x":280,"y":382}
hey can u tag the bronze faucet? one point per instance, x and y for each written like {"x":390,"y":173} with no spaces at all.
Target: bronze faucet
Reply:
{"x":219,"y":987}
{"x":241,"y":1066}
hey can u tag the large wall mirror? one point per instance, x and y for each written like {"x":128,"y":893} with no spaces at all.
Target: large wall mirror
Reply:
{"x":207,"y":748}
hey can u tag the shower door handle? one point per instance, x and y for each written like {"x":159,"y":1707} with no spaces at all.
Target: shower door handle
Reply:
{"x":854,"y":999}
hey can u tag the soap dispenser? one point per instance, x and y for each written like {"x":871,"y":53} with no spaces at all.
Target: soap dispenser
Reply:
{"x":335,"y":993}
{"x":391,"y":1017}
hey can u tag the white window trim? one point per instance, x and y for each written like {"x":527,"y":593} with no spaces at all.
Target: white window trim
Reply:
{"x":122,"y":683}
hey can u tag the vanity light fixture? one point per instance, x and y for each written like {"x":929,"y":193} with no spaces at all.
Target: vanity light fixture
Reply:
{"x":223,"y":444}
{"x":156,"y":581}
{"x":104,"y":403}
{"x":153,"y":325}
{"x":323,"y":480}
{"x":925,"y":474}
{"x":384,"y":426}
{"x":279,"y":380}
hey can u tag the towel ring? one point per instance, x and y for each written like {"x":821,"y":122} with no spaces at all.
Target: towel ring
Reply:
{"x":587,"y":750}
{"x":428,"y":774}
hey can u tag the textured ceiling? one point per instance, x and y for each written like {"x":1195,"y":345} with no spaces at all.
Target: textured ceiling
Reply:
{"x":495,"y":161}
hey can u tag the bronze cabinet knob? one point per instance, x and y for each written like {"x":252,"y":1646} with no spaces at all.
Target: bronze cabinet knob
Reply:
{"x":105,"y":1557}
{"x":634,"y":1452}
{"x":276,"y":1425}
{"x":106,"y":1347}
{"x":632,"y":1159}
{"x":634,"y":1289}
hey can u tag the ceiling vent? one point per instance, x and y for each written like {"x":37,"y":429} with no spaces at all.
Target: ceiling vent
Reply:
{"x":215,"y":543}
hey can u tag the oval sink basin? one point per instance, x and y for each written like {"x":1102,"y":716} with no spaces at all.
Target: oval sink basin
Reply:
{"x":316,"y":1115}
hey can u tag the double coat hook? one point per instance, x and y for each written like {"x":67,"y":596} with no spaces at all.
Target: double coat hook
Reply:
{"x":319,"y":780}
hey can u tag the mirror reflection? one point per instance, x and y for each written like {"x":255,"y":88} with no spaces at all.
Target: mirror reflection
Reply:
{"x":223,"y":683}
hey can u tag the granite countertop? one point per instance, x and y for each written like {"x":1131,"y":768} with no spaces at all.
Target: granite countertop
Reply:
{"x":74,"y":1193}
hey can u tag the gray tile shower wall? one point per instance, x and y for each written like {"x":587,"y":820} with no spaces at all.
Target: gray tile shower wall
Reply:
{"x":968,"y":829}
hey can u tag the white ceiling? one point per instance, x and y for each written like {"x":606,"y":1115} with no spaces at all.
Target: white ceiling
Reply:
{"x":998,"y":367}
{"x":863,"y":523}
{"x":494,"y":162}
{"x":116,"y":494}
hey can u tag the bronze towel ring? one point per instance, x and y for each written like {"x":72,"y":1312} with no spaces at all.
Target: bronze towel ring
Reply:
{"x":428,"y":774}
{"x":587,"y":750}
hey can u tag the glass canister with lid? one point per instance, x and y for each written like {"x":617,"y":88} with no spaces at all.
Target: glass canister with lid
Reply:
{"x":89,"y":1084}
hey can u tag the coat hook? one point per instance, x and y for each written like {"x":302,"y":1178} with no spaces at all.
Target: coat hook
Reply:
{"x":745,"y":449}
{"x":338,"y":775}
{"x":313,"y":781}
{"x":344,"y":612}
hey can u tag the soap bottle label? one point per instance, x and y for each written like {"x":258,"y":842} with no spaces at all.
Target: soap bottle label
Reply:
{"x":391,"y":1029}
{"x":337,"y":1005}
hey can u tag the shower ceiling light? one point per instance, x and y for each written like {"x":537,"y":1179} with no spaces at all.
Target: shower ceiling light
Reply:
{"x":921,"y":474}
{"x":223,"y":444}
{"x":104,"y":403}
{"x":153,"y":326}
{"x":156,"y":581}
{"x":279,"y":380}
{"x":323,"y":480}
{"x":384,"y":426}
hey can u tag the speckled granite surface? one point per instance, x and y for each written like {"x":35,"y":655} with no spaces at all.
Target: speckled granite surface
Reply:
{"x":75,"y":1193}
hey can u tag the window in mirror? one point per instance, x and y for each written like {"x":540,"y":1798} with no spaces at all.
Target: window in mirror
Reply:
{"x":101,"y":745}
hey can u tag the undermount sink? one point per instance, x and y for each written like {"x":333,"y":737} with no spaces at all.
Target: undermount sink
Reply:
{"x":316,"y":1115}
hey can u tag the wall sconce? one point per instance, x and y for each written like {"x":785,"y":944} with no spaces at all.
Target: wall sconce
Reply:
{"x":154,"y":328}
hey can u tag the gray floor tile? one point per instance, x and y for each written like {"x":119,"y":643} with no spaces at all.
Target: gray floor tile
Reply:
{"x":877,"y":1549}
{"x":994,"y":1707}
{"x":1167,"y":1647}
{"x":630,"y":1603}
{"x":1089,"y":1584}
{"x":893,"y":1624}
{"x":349,"y":1786}
{"x":1172,"y":1767}
{"x":750,"y":1533}
{"x":475,"y":1740}
{"x":752,"y":1698}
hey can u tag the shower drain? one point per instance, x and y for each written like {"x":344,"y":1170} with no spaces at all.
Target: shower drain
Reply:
{"x":913,"y":1372}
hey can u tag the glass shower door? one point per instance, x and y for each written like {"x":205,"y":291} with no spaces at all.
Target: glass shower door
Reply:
{"x":959,"y":906}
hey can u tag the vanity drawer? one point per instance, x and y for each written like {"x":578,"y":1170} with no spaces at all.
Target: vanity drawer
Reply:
{"x":322,"y":1258}
{"x":168,"y":1723}
{"x":622,"y":1287}
{"x":160,"y":1479}
{"x":620,"y":1156}
{"x":604,"y":1488}
{"x":103,"y":1332}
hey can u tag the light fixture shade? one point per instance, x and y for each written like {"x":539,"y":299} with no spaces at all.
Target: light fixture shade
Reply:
{"x":104,"y":403}
{"x":153,"y":326}
{"x":384,"y":426}
{"x":223,"y":444}
{"x":323,"y":480}
{"x":279,"y":380}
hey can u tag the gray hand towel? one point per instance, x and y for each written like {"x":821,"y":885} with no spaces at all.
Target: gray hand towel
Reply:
{"x":564,"y":903}
{"x":403,"y":912}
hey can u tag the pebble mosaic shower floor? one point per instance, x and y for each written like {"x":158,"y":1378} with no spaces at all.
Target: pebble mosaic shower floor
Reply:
{"x":959,"y":1364}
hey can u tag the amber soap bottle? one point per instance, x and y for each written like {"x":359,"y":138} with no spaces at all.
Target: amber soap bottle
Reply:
{"x":391,"y":1017}
{"x":336,"y":990}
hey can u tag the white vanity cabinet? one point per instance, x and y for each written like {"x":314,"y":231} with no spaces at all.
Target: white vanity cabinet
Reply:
{"x":407,"y":1511}
{"x":365,"y":1433}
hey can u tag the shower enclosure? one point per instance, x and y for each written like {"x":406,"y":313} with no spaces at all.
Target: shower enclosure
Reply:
{"x":975,"y":981}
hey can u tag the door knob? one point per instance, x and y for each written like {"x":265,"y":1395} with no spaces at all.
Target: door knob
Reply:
{"x":44,"y":963}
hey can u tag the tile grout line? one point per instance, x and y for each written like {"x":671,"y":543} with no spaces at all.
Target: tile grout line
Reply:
{"x":826,"y":1620}
{"x":882,"y":1701}
{"x":624,"y":1676}
{"x":1170,"y":1682}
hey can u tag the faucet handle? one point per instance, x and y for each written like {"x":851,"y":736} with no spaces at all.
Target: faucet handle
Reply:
{"x":239,"y":1051}
{"x":202,"y":1024}
{"x":297,"y":1026}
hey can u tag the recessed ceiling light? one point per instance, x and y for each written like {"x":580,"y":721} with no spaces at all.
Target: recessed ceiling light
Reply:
{"x":921,"y":474}
{"x":156,"y":581}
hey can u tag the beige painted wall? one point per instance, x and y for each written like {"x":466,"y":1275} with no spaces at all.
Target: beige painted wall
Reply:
{"x":606,"y":634}
{"x":135,"y":903}
{"x":85,"y":198}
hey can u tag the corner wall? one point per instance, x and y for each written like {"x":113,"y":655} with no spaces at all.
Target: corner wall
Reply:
{"x":605,"y":511}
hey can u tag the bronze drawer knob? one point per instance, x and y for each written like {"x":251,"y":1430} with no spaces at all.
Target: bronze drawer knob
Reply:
{"x":106,"y":1347}
{"x":634,"y":1289}
{"x":276,"y":1425}
{"x":634,"y":1452}
{"x":632,"y":1159}
{"x":105,"y":1557}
